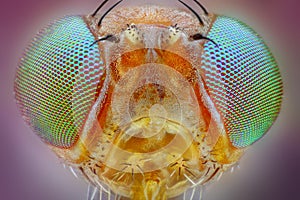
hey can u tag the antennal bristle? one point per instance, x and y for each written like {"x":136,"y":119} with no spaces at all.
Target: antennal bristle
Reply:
{"x":199,"y":18}
{"x":202,"y":7}
{"x":101,"y":5}
{"x":100,"y":21}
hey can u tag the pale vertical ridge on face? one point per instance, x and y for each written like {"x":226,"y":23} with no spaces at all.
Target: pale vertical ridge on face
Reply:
{"x":243,"y":80}
{"x":57,"y":79}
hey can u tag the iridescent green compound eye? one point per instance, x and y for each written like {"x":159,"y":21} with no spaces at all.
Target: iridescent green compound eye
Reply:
{"x":57,"y":80}
{"x":243,"y":80}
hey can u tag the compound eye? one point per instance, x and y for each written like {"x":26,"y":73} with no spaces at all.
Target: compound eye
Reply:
{"x":242,"y":79}
{"x":58,"y":79}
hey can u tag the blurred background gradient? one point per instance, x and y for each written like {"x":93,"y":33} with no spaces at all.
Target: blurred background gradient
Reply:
{"x":270,"y":169}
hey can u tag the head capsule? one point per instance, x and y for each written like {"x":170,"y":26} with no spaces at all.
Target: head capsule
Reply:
{"x":152,"y":108}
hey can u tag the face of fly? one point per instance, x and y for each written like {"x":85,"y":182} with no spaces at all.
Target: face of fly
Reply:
{"x":149,"y":100}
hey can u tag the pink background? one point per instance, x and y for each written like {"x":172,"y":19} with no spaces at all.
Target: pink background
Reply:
{"x":269,"y":170}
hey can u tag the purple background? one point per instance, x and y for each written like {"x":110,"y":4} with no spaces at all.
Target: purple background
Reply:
{"x":269,"y":170}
